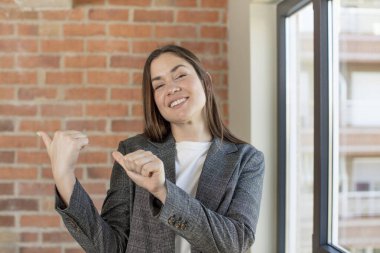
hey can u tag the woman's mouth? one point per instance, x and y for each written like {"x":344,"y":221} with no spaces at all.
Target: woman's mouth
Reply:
{"x":177,"y":102}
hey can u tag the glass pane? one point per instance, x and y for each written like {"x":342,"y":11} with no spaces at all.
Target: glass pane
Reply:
{"x":356,"y":170}
{"x":300,"y":111}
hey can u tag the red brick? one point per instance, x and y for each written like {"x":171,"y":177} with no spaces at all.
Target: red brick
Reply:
{"x":137,"y":110}
{"x":73,"y":14}
{"x":61,"y":110}
{"x":99,"y":173}
{"x":7,"y":61}
{"x":179,"y":3}
{"x":19,"y":141}
{"x":36,"y":189}
{"x":18,"y":205}
{"x":222,"y":94}
{"x":89,"y":2}
{"x":106,"y":141}
{"x":62,"y":45}
{"x":126,"y":94}
{"x":86,"y":125}
{"x":83,"y":30}
{"x":95,"y":188}
{"x":127,"y":125}
{"x":136,"y":62}
{"x":215,"y":32}
{"x":130,"y":2}
{"x":6,"y":29}
{"x":18,"y":77}
{"x":6,"y":188}
{"x":29,"y":237}
{"x":197,"y":16}
{"x":18,"y":173}
{"x":130,"y":31}
{"x":210,"y":48}
{"x":137,"y":78}
{"x":86,"y":94}
{"x":38,"y":61}
{"x":214,"y":3}
{"x":215,"y":63}
{"x":153,"y":16}
{"x":48,"y":174}
{"x":74,"y":250}
{"x":11,"y":46}
{"x":93,"y":158}
{"x":7,"y":94}
{"x":6,"y":125}
{"x":7,"y":221}
{"x":57,"y":237}
{"x":65,"y":77}
{"x":176,"y":32}
{"x":109,"y":14}
{"x":40,"y":221}
{"x":27,"y":30}
{"x":33,"y":157}
{"x":107,"y":110}
{"x":40,"y":125}
{"x":85,"y":62}
{"x":145,"y":46}
{"x":103,"y":77}
{"x":109,"y":46}
{"x":18,"y":110}
{"x":34,"y":93}
{"x":31,"y":249}
{"x":7,"y":156}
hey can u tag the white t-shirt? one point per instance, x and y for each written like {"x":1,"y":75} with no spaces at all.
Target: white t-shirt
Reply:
{"x":188,"y":167}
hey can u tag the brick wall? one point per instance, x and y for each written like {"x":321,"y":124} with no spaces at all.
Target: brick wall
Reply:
{"x":81,"y":69}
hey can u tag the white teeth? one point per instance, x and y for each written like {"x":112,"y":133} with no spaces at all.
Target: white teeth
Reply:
{"x":176,"y":102}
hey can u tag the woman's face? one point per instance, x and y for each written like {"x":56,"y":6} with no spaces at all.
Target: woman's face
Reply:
{"x":178,"y":91}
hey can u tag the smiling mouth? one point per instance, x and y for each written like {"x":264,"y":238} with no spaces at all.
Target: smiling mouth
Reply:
{"x":177,"y":102}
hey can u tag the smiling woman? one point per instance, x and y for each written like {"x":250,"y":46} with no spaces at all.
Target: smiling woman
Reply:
{"x":185,"y":185}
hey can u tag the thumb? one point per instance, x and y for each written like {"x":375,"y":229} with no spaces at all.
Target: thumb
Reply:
{"x":119,"y":158}
{"x":45,"y":138}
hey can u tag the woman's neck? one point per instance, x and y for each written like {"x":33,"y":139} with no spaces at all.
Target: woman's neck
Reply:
{"x":191,"y":132}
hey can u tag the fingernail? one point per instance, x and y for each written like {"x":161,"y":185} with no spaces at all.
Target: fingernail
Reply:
{"x":38,"y":133}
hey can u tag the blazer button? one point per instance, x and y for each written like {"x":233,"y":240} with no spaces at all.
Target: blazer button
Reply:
{"x":184,"y":225}
{"x":172,"y":220}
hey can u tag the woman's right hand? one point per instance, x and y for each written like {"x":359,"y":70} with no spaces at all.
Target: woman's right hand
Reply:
{"x":63,"y":151}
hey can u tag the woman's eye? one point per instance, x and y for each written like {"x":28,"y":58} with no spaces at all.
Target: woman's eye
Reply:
{"x":158,"y":86}
{"x":180,"y":76}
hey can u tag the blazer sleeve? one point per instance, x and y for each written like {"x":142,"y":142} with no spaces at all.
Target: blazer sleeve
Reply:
{"x":105,"y":233}
{"x":208,"y":231}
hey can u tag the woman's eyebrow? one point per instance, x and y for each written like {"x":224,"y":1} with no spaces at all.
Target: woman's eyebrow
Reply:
{"x":171,"y":71}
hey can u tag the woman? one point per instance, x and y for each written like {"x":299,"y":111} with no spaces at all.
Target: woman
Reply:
{"x":185,"y":184}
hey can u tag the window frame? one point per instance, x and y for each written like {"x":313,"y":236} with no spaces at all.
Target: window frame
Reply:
{"x":322,"y":142}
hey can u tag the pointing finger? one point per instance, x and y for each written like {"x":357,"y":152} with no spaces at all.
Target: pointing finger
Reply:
{"x":119,"y":158}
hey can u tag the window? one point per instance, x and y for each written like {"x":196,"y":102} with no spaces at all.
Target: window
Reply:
{"x":329,"y":126}
{"x":356,"y":125}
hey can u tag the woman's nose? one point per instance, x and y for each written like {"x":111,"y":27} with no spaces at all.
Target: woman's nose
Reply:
{"x":173,"y":89}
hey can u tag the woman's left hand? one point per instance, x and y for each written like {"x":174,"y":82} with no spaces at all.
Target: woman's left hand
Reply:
{"x":146,"y":170}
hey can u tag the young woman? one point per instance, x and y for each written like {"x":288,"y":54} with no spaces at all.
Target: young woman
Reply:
{"x":185,"y":185}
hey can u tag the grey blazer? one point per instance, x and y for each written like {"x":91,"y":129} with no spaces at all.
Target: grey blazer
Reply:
{"x":221,"y":218}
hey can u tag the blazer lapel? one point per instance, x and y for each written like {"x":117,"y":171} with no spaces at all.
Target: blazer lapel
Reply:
{"x":216,"y":173}
{"x":167,"y":153}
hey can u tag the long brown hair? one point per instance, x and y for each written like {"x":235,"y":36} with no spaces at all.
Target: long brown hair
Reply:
{"x":156,"y":127}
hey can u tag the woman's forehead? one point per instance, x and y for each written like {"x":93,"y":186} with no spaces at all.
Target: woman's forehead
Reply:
{"x":166,"y":62}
